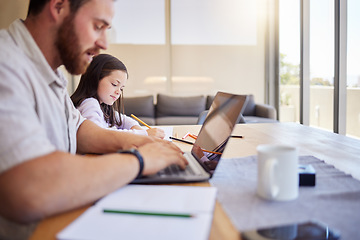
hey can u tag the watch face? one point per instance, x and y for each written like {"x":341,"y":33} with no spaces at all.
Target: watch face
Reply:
{"x":133,"y":150}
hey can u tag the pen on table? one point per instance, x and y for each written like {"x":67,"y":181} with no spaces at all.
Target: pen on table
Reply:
{"x":236,"y":136}
{"x":184,"y":141}
{"x":181,"y":140}
{"x":139,"y":120}
{"x":184,"y":215}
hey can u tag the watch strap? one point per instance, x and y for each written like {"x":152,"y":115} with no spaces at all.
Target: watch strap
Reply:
{"x":136,"y":153}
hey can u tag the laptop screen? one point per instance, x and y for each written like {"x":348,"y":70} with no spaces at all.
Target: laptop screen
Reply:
{"x":223,"y":114}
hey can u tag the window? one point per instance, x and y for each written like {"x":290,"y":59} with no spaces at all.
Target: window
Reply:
{"x":185,"y":47}
{"x":322,"y":64}
{"x":213,"y":22}
{"x":289,"y":29}
{"x":353,"y":69}
{"x":139,"y":22}
{"x":214,"y":46}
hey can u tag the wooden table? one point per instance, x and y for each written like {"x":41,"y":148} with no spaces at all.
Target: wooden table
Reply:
{"x":341,"y":151}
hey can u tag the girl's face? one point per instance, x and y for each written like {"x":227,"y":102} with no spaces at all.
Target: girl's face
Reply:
{"x":109,"y":89}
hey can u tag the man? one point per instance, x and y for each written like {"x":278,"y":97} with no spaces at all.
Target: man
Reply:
{"x":40,"y":130}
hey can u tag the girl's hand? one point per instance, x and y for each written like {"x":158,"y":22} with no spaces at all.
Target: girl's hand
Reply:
{"x":156,"y":132}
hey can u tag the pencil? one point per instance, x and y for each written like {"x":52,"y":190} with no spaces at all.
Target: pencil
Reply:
{"x":184,"y":141}
{"x":192,"y":136}
{"x":211,"y":152}
{"x":184,"y":215}
{"x":139,"y":120}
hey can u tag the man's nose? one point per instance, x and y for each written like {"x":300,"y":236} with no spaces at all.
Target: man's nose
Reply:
{"x":102,"y":42}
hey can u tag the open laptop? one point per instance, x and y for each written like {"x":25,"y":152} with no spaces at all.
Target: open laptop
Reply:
{"x":214,"y":134}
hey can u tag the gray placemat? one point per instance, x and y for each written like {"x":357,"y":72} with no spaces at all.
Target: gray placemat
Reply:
{"x":335,"y":200}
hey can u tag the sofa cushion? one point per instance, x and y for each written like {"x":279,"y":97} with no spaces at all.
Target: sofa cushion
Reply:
{"x":203,"y":115}
{"x":209,"y":100}
{"x":254,"y":119}
{"x":179,"y":120}
{"x":140,"y":106}
{"x":250,"y":106}
{"x":179,"y":106}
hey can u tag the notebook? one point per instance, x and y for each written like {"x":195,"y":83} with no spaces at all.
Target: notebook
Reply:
{"x":214,"y":134}
{"x":123,"y":214}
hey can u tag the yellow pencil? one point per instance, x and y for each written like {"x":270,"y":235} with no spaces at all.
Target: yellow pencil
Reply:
{"x":193,"y":136}
{"x":137,"y":119}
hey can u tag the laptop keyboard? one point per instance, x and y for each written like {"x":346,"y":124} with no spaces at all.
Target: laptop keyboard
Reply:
{"x":175,"y":170}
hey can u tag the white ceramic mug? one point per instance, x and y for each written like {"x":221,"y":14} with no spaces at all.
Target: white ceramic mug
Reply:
{"x":278,"y":177}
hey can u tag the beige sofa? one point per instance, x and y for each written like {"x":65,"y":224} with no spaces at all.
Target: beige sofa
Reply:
{"x":174,"y":110}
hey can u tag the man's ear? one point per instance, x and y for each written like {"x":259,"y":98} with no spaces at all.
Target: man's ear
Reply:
{"x":59,"y":9}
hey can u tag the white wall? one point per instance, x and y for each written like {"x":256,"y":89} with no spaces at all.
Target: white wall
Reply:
{"x":11,"y":10}
{"x":195,"y":69}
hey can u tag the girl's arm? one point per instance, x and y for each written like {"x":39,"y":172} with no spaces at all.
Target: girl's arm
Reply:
{"x":131,"y":124}
{"x":90,"y":109}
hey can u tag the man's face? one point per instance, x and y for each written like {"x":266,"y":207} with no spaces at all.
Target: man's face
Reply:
{"x":83,"y":34}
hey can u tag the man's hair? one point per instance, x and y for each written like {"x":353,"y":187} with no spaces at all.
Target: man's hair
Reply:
{"x":36,"y":6}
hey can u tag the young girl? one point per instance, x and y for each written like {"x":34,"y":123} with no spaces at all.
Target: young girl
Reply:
{"x":99,"y":95}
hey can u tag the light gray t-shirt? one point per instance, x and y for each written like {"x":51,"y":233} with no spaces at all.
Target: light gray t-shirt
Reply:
{"x":37,"y":116}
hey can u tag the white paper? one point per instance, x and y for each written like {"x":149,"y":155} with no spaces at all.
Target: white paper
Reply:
{"x":95,"y":224}
{"x":168,"y":132}
{"x":167,"y":129}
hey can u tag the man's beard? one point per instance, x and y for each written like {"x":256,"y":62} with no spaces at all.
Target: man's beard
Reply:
{"x":69,"y":48}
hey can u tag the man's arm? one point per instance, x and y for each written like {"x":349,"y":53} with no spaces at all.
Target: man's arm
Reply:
{"x":60,"y":181}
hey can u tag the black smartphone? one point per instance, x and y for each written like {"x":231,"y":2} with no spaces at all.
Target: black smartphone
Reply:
{"x":312,"y":230}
